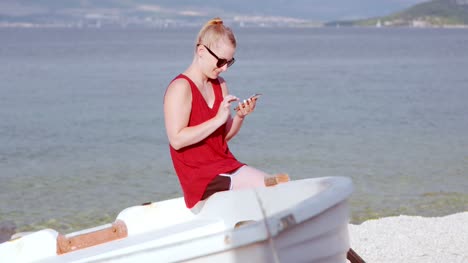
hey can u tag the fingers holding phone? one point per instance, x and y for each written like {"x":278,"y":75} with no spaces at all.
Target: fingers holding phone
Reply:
{"x":224,"y":110}
{"x":247,"y":106}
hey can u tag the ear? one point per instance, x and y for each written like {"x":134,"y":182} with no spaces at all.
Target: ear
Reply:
{"x":199,"y":50}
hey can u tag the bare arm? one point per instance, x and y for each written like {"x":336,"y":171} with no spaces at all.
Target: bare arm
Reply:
{"x":177,"y":107}
{"x":234,"y":124}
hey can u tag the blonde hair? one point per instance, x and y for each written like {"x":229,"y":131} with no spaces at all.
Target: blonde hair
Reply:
{"x":213,"y":31}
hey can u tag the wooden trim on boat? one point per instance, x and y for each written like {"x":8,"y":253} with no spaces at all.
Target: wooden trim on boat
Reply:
{"x":353,"y":257}
{"x":115,"y":231}
{"x":277,"y":179}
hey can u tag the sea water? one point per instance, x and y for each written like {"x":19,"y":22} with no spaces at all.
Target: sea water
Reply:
{"x":82,"y":130}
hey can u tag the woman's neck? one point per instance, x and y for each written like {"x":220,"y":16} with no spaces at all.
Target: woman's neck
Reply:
{"x":197,"y":76}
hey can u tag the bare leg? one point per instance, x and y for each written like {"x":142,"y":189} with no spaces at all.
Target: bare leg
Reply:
{"x":249,"y":177}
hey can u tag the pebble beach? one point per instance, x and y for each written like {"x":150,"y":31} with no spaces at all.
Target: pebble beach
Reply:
{"x":412,"y":239}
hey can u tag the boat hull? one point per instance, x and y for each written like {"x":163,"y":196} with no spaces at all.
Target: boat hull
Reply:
{"x":299,"y":221}
{"x":323,"y":239}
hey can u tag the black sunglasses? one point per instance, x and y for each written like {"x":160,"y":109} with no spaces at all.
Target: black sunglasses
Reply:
{"x":221,"y":61}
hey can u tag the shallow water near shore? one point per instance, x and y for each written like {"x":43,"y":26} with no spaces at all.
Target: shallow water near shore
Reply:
{"x":82,"y":132}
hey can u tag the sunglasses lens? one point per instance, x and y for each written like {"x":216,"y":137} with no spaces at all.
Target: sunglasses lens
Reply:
{"x":221,"y":62}
{"x":230,"y":62}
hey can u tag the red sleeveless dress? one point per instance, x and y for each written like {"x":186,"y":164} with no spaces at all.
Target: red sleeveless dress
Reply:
{"x":196,"y":165}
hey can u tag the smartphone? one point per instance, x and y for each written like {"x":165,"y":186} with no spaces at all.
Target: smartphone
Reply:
{"x":253,"y":97}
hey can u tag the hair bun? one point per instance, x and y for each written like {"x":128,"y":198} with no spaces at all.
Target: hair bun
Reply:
{"x":214,"y":30}
{"x":216,"y":21}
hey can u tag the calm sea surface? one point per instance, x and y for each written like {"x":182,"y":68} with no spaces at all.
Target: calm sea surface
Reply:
{"x":82,"y":132}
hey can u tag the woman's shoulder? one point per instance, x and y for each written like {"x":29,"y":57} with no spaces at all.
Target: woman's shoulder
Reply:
{"x":181,"y":81}
{"x":179,"y":85}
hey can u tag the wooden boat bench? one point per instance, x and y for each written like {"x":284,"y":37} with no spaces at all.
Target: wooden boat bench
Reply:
{"x":167,"y":236}
{"x":92,"y":237}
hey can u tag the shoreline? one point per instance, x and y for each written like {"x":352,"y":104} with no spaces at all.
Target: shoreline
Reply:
{"x":412,"y":239}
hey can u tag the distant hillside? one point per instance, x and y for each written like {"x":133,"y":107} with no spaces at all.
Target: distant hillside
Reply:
{"x":140,"y":13}
{"x":157,"y":13}
{"x":436,"y":13}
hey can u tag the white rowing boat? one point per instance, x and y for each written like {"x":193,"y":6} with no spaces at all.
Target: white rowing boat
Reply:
{"x":299,"y":221}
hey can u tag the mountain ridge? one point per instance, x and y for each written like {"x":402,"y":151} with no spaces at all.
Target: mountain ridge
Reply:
{"x":435,"y":13}
{"x":161,"y":12}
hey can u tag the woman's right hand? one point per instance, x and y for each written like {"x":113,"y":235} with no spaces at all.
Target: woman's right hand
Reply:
{"x":224,"y":110}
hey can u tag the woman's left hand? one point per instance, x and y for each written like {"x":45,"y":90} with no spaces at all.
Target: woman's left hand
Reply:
{"x":246,"y":107}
